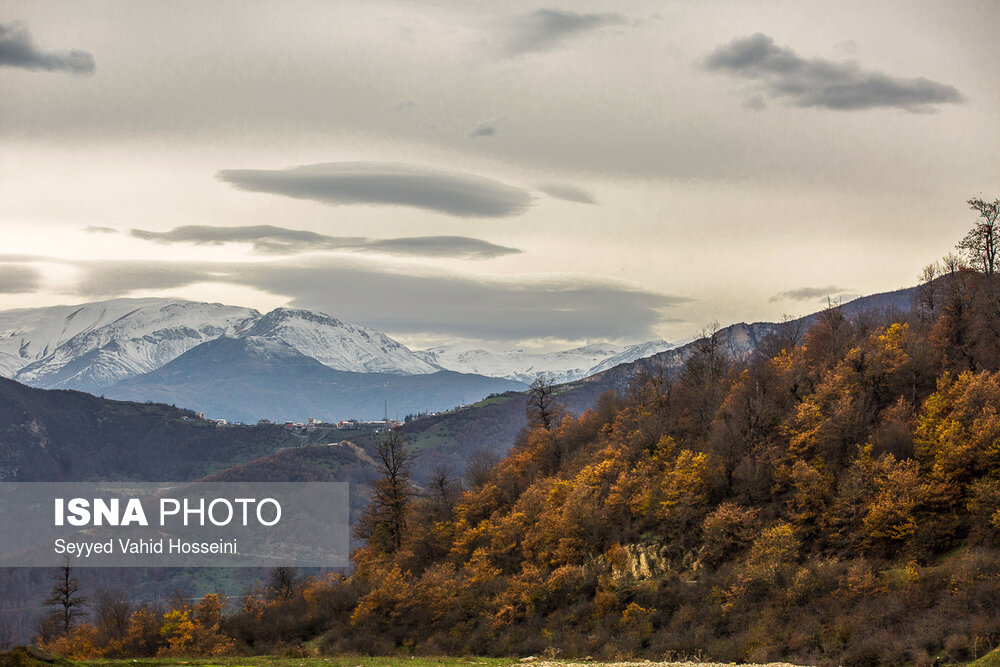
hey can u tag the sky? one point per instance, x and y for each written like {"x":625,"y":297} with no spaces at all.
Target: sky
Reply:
{"x":507,"y":174}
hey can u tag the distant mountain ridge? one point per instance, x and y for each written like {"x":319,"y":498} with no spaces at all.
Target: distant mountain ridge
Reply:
{"x":523,"y":366}
{"x":245,"y":379}
{"x":90,"y":347}
{"x":736,"y":339}
{"x":296,"y":363}
{"x":493,"y":425}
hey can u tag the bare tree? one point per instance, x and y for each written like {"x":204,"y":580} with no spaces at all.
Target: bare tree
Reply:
{"x":65,"y":597}
{"x":953,"y":264}
{"x":383,"y":522}
{"x":481,"y":464}
{"x":112,"y":610}
{"x":701,"y":380}
{"x":281,"y":582}
{"x":443,"y":492}
{"x":785,"y":337}
{"x":927,"y":301}
{"x":792,"y":330}
{"x":543,"y":410}
{"x":982,"y":242}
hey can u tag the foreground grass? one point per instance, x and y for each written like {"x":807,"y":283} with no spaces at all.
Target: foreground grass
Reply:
{"x":281,"y":661}
{"x":398,"y":661}
{"x":991,"y":659}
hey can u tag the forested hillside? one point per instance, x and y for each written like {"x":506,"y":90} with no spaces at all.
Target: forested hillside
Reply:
{"x":833,"y":499}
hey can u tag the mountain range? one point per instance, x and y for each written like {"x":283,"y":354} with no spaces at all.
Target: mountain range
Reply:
{"x":524,"y":366}
{"x":245,"y":379}
{"x":239,"y":364}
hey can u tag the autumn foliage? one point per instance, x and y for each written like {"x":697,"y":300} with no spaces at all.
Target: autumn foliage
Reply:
{"x":833,"y":498}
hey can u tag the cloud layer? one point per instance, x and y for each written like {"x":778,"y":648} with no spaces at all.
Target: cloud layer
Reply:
{"x":457,"y":194}
{"x":565,"y":307}
{"x":568,"y":193}
{"x":815,"y":82}
{"x":18,"y":279}
{"x":271,"y":240}
{"x":486,"y":128}
{"x":17,"y":49}
{"x":545,"y":29}
{"x":809,"y":293}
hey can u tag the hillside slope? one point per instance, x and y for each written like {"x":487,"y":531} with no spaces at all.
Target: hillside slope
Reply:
{"x":54,"y":435}
{"x":831,"y":501}
{"x":739,"y":340}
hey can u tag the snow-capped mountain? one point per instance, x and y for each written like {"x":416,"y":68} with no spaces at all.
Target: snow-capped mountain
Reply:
{"x":340,"y":345}
{"x":522,"y":366}
{"x":93,"y":346}
{"x":633,"y":352}
{"x":30,"y":334}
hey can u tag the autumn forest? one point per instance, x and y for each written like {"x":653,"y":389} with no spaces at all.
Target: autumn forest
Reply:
{"x":832,"y":497}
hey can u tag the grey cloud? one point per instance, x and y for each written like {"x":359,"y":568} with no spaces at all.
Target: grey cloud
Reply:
{"x":462,"y":195}
{"x":97,"y":229}
{"x":545,"y":29}
{"x":809,"y":293}
{"x":268,"y":239}
{"x":440,"y":246}
{"x":101,"y":279}
{"x":18,"y":49}
{"x":568,"y":192}
{"x":494,"y":309}
{"x":507,"y":309}
{"x":486,"y":128}
{"x":265,"y":239}
{"x":815,"y":82}
{"x":18,"y":279}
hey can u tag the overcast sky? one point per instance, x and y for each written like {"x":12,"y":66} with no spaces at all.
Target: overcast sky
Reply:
{"x":516,"y":173}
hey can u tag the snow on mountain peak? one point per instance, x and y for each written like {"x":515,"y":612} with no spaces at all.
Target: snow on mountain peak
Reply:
{"x":631,"y":353}
{"x":340,"y":345}
{"x":93,"y":346}
{"x":560,"y":366}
